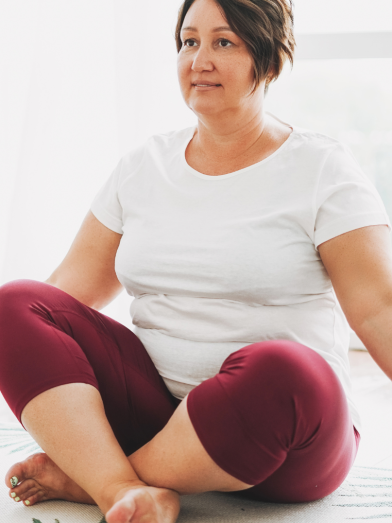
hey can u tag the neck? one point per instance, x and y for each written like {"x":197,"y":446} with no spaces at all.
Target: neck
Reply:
{"x":230,"y":140}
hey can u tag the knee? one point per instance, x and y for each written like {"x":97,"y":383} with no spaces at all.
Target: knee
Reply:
{"x":285,"y":364}
{"x":284,"y":355}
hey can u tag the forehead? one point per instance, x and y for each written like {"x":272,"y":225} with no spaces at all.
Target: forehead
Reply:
{"x":204,"y":13}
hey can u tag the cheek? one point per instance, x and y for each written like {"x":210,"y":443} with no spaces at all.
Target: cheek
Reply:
{"x":244,"y":74}
{"x":239,"y":75}
{"x":236,"y":69}
{"x":245,"y":69}
{"x":183,"y":70}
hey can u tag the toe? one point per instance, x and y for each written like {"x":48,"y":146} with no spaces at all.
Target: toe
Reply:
{"x":33,"y":499}
{"x":27,"y":493}
{"x":22,"y":488}
{"x":25,"y":469}
{"x":16,"y":474}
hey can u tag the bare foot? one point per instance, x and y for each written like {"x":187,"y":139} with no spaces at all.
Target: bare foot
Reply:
{"x":40,"y":479}
{"x":142,"y":504}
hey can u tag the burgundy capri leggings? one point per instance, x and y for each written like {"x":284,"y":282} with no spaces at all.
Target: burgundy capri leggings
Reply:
{"x":275,"y":416}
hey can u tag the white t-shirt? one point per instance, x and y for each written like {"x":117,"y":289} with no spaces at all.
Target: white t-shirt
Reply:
{"x":215,"y":263}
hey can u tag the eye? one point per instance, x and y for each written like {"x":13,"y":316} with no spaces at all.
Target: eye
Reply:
{"x":225,"y":41}
{"x":222,"y":40}
{"x":188,"y":40}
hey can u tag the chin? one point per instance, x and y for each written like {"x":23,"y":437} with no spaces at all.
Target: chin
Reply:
{"x":204,"y":108}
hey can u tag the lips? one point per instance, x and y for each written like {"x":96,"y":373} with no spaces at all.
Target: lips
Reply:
{"x":205,"y":83}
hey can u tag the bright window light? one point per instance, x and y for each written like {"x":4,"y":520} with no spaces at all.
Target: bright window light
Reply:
{"x":342,"y":16}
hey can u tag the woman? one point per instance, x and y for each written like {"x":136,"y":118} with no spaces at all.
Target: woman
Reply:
{"x":232,"y":236}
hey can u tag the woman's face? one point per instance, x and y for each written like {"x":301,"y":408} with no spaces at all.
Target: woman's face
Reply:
{"x":212,"y":53}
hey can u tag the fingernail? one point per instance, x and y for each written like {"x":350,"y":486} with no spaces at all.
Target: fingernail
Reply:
{"x":13,"y":494}
{"x":27,"y":502}
{"x":14,"y":481}
{"x":17,"y":499}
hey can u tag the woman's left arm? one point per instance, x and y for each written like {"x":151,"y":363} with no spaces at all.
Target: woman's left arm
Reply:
{"x":359,"y":264}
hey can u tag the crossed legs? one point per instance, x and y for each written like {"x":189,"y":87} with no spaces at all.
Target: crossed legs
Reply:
{"x":274,"y":413}
{"x":69,"y":423}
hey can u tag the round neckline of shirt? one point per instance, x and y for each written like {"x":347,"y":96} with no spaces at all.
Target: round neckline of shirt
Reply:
{"x":234,"y":173}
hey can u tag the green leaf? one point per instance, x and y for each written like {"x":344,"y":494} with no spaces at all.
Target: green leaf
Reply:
{"x":36,"y":520}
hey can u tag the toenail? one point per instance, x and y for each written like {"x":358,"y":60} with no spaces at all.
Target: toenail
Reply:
{"x":17,"y":499}
{"x":13,"y":494}
{"x":27,"y":502}
{"x":14,"y":481}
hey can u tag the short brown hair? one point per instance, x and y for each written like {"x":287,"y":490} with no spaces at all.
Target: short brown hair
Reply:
{"x":266,"y":26}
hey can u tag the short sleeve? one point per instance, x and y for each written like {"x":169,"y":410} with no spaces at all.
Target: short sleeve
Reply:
{"x":106,"y":205}
{"x":346,"y":199}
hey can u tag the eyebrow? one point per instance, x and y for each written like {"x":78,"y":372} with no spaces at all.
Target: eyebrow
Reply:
{"x":215,"y":30}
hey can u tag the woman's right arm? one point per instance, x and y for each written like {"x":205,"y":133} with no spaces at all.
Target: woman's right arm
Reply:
{"x":87,"y":271}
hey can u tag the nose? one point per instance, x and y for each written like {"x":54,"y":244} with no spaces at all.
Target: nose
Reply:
{"x":202,"y":60}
